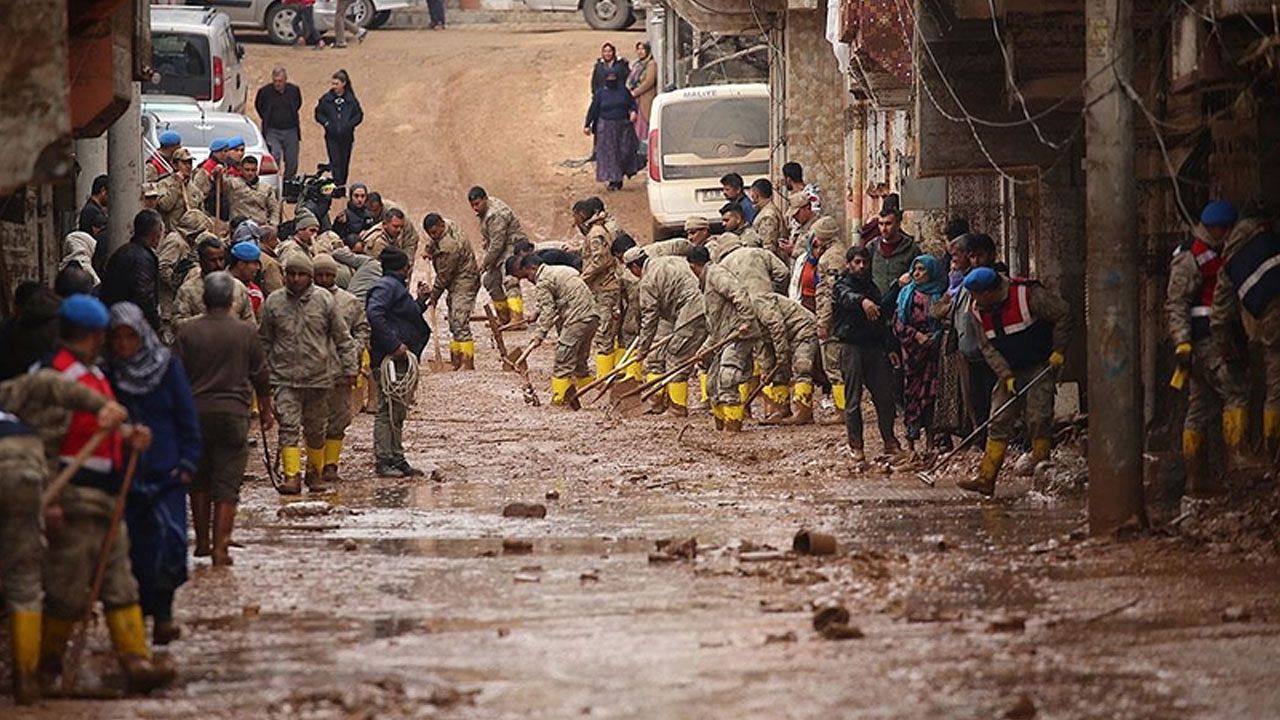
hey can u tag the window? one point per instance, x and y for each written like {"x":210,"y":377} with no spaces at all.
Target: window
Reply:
{"x":183,"y":64}
{"x":710,"y":138}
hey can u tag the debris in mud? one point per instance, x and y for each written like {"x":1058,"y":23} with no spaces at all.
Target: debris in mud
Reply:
{"x":762,"y":556}
{"x":937,"y":542}
{"x":527,"y":578}
{"x":805,"y":577}
{"x":382,"y":698}
{"x":511,"y":546}
{"x":832,"y":623}
{"x":450,"y":696}
{"x":525,"y":510}
{"x":1235,"y":614}
{"x":305,"y":508}
{"x":672,"y":549}
{"x":780,"y":607}
{"x":1041,"y":548}
{"x":589,"y":576}
{"x":503,"y":632}
{"x":786,"y":637}
{"x":1007,"y":623}
{"x":349,"y":545}
{"x":810,"y":542}
{"x":836,"y":631}
{"x":251,"y":610}
{"x":1247,"y":524}
{"x":553,"y":495}
{"x":1023,"y":709}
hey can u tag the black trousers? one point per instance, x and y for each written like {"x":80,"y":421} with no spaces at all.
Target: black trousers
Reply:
{"x":868,"y":366}
{"x":339,"y":157}
{"x":982,"y":380}
{"x":436,"y":8}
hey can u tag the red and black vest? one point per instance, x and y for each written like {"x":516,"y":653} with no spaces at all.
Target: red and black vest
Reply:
{"x":1255,"y":271}
{"x":98,"y":469}
{"x":1024,"y":341}
{"x":160,"y":165}
{"x":1209,"y":263}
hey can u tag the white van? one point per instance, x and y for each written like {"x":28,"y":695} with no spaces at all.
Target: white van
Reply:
{"x":194,"y":53}
{"x":696,"y":136}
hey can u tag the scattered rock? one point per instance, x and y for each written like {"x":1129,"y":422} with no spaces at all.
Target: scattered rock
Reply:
{"x":1023,"y":709}
{"x":531,"y":569}
{"x":786,"y":637}
{"x":305,"y":508}
{"x":1041,"y":548}
{"x":503,"y":632}
{"x":589,"y":576}
{"x":1235,"y":614}
{"x":937,"y":542}
{"x":450,"y":696}
{"x":679,"y":549}
{"x":524,"y":510}
{"x":512,"y":546}
{"x":832,"y":614}
{"x":527,"y":578}
{"x":349,"y":544}
{"x":1007,"y":623}
{"x":661,"y":557}
{"x":251,"y":610}
{"x":762,"y":556}
{"x":553,"y":495}
{"x":810,"y":542}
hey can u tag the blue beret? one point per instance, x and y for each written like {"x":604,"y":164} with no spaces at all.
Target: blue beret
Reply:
{"x":979,"y":279}
{"x":1219,"y":213}
{"x":235,"y":141}
{"x":218,"y":145}
{"x":169,"y":138}
{"x":86,"y":311}
{"x":245,"y":252}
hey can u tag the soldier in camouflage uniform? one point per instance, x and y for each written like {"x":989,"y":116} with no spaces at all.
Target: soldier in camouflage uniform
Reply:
{"x":564,"y":301}
{"x":391,"y":232}
{"x":830,"y":250}
{"x":33,"y":414}
{"x":500,"y":230}
{"x":729,"y":312}
{"x":352,"y":311}
{"x":1215,"y":393}
{"x":178,"y":261}
{"x":791,"y":345}
{"x":212,"y":256}
{"x":454,"y":261}
{"x":768,"y":222}
{"x":600,"y":273}
{"x":175,"y":190}
{"x":252,"y":198}
{"x":669,"y":295}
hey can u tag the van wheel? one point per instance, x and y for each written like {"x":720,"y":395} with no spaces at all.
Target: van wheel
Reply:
{"x":607,"y":14}
{"x":380,"y":18}
{"x":282,"y":23}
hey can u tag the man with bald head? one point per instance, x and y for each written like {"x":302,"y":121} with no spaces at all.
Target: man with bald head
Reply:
{"x":277,"y":104}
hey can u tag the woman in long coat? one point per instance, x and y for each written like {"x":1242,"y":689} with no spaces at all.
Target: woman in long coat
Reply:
{"x":611,"y":119}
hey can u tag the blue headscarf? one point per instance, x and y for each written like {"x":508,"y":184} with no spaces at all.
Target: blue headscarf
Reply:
{"x":933,"y":288}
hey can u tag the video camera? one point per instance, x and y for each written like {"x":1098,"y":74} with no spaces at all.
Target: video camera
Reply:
{"x":310,"y":187}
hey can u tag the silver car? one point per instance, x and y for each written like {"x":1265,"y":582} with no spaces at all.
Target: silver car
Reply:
{"x":199,"y":129}
{"x":278,"y":19}
{"x":599,"y":14}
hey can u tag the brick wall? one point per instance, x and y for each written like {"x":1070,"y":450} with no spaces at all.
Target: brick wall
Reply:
{"x":814,"y":116}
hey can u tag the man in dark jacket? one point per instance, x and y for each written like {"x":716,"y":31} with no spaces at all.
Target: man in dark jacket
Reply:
{"x":277,"y":104}
{"x":397,"y":330}
{"x":133,"y":271}
{"x":860,"y":315}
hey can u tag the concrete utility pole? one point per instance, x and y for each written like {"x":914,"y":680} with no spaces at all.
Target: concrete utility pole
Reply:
{"x":124,"y":167}
{"x":1112,"y":285}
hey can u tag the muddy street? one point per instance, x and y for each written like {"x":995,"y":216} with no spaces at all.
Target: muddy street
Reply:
{"x":417,"y":598}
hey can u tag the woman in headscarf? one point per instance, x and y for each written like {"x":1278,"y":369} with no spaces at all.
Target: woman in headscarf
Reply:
{"x":77,"y":250}
{"x":642,"y":81}
{"x":607,"y":62}
{"x":610,"y":119}
{"x":150,"y":381}
{"x":919,"y":335}
{"x":356,"y":217}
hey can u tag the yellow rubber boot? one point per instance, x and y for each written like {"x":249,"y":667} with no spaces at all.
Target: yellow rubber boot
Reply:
{"x":515,"y":304}
{"x":678,"y":394}
{"x":657,"y":401}
{"x":1235,"y":430}
{"x":467,"y":349}
{"x":744,"y":391}
{"x":291,"y":463}
{"x":1040,"y":448}
{"x":24,"y":638}
{"x":635,"y":371}
{"x":315,"y":460}
{"x":733,"y":415}
{"x":128,"y":634}
{"x":560,"y":390}
{"x":802,"y":406}
{"x":992,"y":459}
{"x":837,"y":394}
{"x":1271,"y":431}
{"x":55,"y":633}
{"x":604,"y":365}
{"x":332,"y":451}
{"x":702,"y":386}
{"x":1201,"y":482}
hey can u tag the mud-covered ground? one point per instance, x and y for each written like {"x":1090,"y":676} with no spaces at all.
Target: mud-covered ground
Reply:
{"x":411,"y":598}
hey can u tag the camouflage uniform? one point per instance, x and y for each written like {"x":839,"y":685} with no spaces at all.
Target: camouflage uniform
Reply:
{"x":340,"y":408}
{"x":564,"y":300}
{"x":669,"y":295}
{"x":190,"y":303}
{"x":758,"y":269}
{"x":500,"y":230}
{"x":175,"y":199}
{"x":830,"y":265}
{"x":791,"y":344}
{"x":299,"y":334}
{"x":178,"y":261}
{"x":410,"y":240}
{"x":769,"y":226}
{"x":600,"y":273}
{"x":1248,"y":297}
{"x":728,"y":307}
{"x":258,"y":201}
{"x":454,"y":261}
{"x":272,"y":270}
{"x":376,"y":240}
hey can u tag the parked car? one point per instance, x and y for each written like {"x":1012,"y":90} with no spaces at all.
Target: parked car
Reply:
{"x":280,"y":20}
{"x":696,"y":136}
{"x":198,"y":130}
{"x":194,"y":53}
{"x":599,"y":14}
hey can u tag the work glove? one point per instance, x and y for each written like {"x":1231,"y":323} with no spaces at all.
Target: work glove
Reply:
{"x":1183,"y":353}
{"x":1011,"y":385}
{"x":1056,"y":360}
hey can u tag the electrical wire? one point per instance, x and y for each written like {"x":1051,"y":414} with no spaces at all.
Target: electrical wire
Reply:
{"x":1008,"y":74}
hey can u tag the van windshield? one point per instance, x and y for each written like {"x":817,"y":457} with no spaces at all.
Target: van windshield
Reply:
{"x":183,"y":65}
{"x":715,"y":136}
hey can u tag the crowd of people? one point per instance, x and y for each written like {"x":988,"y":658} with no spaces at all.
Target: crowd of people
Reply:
{"x":618,"y":118}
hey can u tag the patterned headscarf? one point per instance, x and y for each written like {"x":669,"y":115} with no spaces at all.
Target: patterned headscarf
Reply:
{"x":933,"y":287}
{"x":141,"y":373}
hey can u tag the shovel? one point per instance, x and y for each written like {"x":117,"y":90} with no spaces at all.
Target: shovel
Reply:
{"x":926,"y":476}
